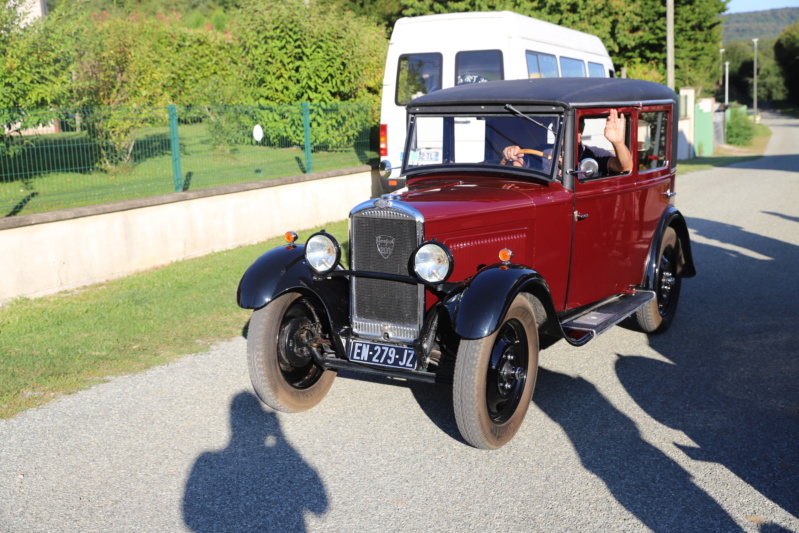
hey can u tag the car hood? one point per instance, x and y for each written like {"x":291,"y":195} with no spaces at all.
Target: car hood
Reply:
{"x":473,"y":202}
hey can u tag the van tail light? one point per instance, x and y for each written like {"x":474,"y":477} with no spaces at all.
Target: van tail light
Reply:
{"x":383,"y":140}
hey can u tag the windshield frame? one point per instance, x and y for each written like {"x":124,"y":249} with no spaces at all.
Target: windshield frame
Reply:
{"x":509,"y":110}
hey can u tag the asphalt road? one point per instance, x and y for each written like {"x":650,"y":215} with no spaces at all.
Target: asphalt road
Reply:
{"x":694,"y":430}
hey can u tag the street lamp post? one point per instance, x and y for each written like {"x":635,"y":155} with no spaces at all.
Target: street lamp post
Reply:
{"x":755,"y":41}
{"x":726,"y":83}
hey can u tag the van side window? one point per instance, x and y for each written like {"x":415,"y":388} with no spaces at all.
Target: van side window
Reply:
{"x":541,"y":65}
{"x":572,"y":68}
{"x":417,"y":74}
{"x":653,"y":135}
{"x":596,"y":70}
{"x":478,"y":66}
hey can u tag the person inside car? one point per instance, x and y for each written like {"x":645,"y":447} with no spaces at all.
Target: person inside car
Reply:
{"x":609,"y":163}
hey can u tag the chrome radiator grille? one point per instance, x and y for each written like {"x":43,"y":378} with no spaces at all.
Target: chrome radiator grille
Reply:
{"x":383,"y":240}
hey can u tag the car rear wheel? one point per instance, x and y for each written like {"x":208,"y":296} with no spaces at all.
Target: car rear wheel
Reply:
{"x":657,"y":315}
{"x":279,"y":343}
{"x":495,"y":377}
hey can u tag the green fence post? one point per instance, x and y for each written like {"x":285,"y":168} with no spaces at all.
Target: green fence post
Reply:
{"x":174,"y":144}
{"x":306,"y":125}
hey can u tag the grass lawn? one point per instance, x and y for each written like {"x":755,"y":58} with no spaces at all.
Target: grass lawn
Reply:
{"x":59,"y":344}
{"x":63,"y":170}
{"x":726,"y":155}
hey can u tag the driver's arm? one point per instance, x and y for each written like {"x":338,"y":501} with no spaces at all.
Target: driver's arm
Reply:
{"x":614,"y":132}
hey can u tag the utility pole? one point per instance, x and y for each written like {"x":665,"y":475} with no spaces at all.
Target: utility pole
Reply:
{"x":755,"y":41}
{"x":670,"y":43}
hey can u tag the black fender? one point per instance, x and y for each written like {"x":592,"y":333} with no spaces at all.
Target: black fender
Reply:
{"x":686,"y":269}
{"x":477,"y":307}
{"x":283,"y":270}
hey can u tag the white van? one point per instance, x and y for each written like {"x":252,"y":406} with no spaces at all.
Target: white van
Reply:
{"x":434,"y":52}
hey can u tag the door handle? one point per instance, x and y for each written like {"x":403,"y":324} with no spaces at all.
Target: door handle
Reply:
{"x":669,"y":194}
{"x":580,"y":216}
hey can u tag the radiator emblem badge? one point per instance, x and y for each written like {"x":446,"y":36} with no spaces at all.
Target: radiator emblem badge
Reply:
{"x":385,"y":245}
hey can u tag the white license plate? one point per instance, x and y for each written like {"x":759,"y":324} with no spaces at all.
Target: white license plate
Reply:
{"x":386,"y":355}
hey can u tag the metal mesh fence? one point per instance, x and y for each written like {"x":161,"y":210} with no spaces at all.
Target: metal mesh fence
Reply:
{"x":83,"y":157}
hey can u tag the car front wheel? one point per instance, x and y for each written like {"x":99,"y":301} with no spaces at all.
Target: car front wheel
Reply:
{"x":495,"y":377}
{"x":279,"y":343}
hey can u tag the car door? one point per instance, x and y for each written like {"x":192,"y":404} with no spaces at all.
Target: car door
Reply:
{"x":606,"y":219}
{"x":616,"y":216}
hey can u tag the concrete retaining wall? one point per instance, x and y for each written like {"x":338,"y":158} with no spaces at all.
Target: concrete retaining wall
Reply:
{"x":46,"y":253}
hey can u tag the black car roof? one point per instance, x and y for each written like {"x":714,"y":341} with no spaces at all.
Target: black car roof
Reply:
{"x":566,"y":92}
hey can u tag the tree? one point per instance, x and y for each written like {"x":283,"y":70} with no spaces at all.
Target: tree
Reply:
{"x":786,"y":53}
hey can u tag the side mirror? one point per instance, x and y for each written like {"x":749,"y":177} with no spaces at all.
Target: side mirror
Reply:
{"x":588,"y":168}
{"x":385,"y":168}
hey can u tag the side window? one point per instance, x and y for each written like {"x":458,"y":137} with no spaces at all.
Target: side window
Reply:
{"x":478,"y":66}
{"x":653,"y":135}
{"x":594,"y":145}
{"x":541,"y":65}
{"x":417,"y":74}
{"x":596,"y":70}
{"x":572,"y":68}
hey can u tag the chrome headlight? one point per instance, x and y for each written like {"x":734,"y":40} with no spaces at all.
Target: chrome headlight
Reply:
{"x":322,"y":252}
{"x":433,"y":262}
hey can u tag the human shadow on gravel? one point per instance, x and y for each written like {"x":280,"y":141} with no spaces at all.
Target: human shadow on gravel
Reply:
{"x":259,"y":482}
{"x":730,"y":382}
{"x":648,"y":483}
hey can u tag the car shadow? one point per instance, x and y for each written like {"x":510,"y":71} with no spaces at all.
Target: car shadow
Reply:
{"x":649,"y":484}
{"x":730,"y":383}
{"x":259,"y":482}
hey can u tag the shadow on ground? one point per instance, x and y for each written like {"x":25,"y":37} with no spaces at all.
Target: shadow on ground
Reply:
{"x":259,"y":482}
{"x":731,"y":384}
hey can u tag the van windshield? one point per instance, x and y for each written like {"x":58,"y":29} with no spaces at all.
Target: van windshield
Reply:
{"x":440,"y":143}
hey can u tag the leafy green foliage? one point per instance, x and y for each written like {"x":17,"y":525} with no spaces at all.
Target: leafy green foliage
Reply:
{"x":34,"y":66}
{"x":740,"y":130}
{"x":292,"y":52}
{"x":786,"y":53}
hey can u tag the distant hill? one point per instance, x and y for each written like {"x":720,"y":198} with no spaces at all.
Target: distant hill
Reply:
{"x":761,"y":24}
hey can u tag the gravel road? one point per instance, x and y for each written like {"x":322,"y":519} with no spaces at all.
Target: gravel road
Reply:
{"x":694,"y":430}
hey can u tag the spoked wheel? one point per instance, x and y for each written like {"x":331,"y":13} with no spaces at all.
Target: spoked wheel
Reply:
{"x":495,"y":377}
{"x":657,"y":315}
{"x":279,"y":344}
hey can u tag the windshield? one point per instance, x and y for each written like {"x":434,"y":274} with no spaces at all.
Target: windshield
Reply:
{"x":439,"y":143}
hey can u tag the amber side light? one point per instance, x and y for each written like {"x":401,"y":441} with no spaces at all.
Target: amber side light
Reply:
{"x":291,"y":237}
{"x":505,"y":255}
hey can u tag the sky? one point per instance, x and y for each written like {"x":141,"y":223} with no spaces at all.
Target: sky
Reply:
{"x":741,"y":6}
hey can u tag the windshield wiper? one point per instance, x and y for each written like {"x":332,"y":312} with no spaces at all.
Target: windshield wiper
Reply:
{"x":522,"y":115}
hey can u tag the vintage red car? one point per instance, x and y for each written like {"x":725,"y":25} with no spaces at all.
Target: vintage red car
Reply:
{"x":533,"y":208}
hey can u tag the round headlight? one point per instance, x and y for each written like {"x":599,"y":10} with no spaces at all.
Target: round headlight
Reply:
{"x":432,"y":262}
{"x":322,"y":252}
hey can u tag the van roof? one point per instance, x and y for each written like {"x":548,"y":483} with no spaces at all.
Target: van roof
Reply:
{"x":564,"y":92}
{"x":514,"y":24}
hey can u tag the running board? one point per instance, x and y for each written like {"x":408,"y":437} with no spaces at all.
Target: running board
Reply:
{"x":594,"y":321}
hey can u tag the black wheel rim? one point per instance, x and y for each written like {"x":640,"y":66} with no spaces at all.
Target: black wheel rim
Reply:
{"x":507,"y":371}
{"x":298,"y":332}
{"x":667,"y":284}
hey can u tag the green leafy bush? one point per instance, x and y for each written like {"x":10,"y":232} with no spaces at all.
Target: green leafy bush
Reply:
{"x":740,"y":130}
